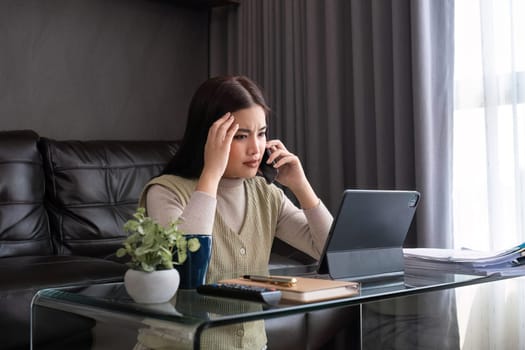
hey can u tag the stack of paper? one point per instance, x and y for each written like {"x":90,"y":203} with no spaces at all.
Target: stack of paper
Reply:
{"x":510,"y":262}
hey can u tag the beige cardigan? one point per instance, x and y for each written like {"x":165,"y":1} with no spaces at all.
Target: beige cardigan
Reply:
{"x":235,"y":253}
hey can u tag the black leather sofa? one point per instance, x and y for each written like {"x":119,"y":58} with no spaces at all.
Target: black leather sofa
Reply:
{"x":62,"y":208}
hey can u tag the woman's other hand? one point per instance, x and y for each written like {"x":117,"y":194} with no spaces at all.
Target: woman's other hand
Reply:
{"x":291,"y":174}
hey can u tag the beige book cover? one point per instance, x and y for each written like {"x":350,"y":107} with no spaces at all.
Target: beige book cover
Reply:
{"x":306,"y":289}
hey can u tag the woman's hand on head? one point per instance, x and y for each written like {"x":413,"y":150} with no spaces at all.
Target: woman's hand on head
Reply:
{"x":217,"y":150}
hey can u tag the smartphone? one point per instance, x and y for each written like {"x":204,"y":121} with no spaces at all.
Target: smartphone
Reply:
{"x":267,"y":170}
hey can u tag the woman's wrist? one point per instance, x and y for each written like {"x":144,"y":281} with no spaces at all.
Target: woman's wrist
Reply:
{"x":306,"y":196}
{"x":208,"y":183}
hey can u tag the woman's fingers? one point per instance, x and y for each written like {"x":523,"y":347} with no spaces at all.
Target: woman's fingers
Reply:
{"x":275,"y":145}
{"x":279,"y":154}
{"x":222,"y":127}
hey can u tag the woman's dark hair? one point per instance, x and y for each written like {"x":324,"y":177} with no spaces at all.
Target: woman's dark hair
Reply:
{"x":214,"y":98}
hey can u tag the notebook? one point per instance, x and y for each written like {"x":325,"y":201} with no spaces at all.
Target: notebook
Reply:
{"x":305,"y":290}
{"x":365,"y":242}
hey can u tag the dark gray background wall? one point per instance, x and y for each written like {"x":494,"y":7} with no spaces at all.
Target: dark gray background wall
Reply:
{"x":100,"y":69}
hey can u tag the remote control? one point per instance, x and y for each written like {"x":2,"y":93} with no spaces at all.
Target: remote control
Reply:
{"x":269,"y":296}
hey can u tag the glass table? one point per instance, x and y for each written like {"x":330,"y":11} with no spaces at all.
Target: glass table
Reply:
{"x":69,"y":315}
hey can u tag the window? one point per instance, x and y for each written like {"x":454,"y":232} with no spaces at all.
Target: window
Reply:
{"x":489,"y":124}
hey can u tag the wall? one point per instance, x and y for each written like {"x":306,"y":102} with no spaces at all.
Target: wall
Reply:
{"x":100,"y":69}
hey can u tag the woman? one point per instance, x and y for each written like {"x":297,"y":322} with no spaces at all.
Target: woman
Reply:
{"x":211,"y":185}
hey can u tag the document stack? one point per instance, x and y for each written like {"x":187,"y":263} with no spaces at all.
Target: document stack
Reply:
{"x":510,"y":262}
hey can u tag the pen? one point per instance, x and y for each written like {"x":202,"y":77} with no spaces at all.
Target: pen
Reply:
{"x":285,"y":281}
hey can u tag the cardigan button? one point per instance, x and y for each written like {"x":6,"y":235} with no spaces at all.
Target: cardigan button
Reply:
{"x":242,"y":251}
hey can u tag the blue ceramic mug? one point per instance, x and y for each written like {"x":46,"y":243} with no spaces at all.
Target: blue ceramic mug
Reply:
{"x":193,"y":270}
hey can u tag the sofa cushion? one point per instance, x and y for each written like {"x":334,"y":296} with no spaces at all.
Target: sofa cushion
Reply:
{"x":92,"y":189}
{"x":24,"y":226}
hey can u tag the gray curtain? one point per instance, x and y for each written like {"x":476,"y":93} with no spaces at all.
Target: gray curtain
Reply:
{"x":360,"y":90}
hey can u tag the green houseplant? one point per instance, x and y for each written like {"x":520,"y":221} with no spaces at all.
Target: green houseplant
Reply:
{"x":153,"y":251}
{"x":151,"y":246}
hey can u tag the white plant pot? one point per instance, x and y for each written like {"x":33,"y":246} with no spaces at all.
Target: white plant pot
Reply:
{"x":151,"y":287}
